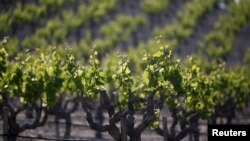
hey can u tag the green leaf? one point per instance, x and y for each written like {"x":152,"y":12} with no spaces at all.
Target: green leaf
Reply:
{"x":200,"y":106}
{"x":71,"y":58}
{"x":145,"y":77}
{"x":155,"y":124}
{"x":22,"y":100}
{"x":157,"y":54}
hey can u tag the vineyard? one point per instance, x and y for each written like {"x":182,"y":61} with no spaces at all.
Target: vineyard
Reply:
{"x":106,"y":70}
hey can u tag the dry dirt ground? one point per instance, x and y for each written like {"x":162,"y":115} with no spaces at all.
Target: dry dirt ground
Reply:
{"x":80,"y":130}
